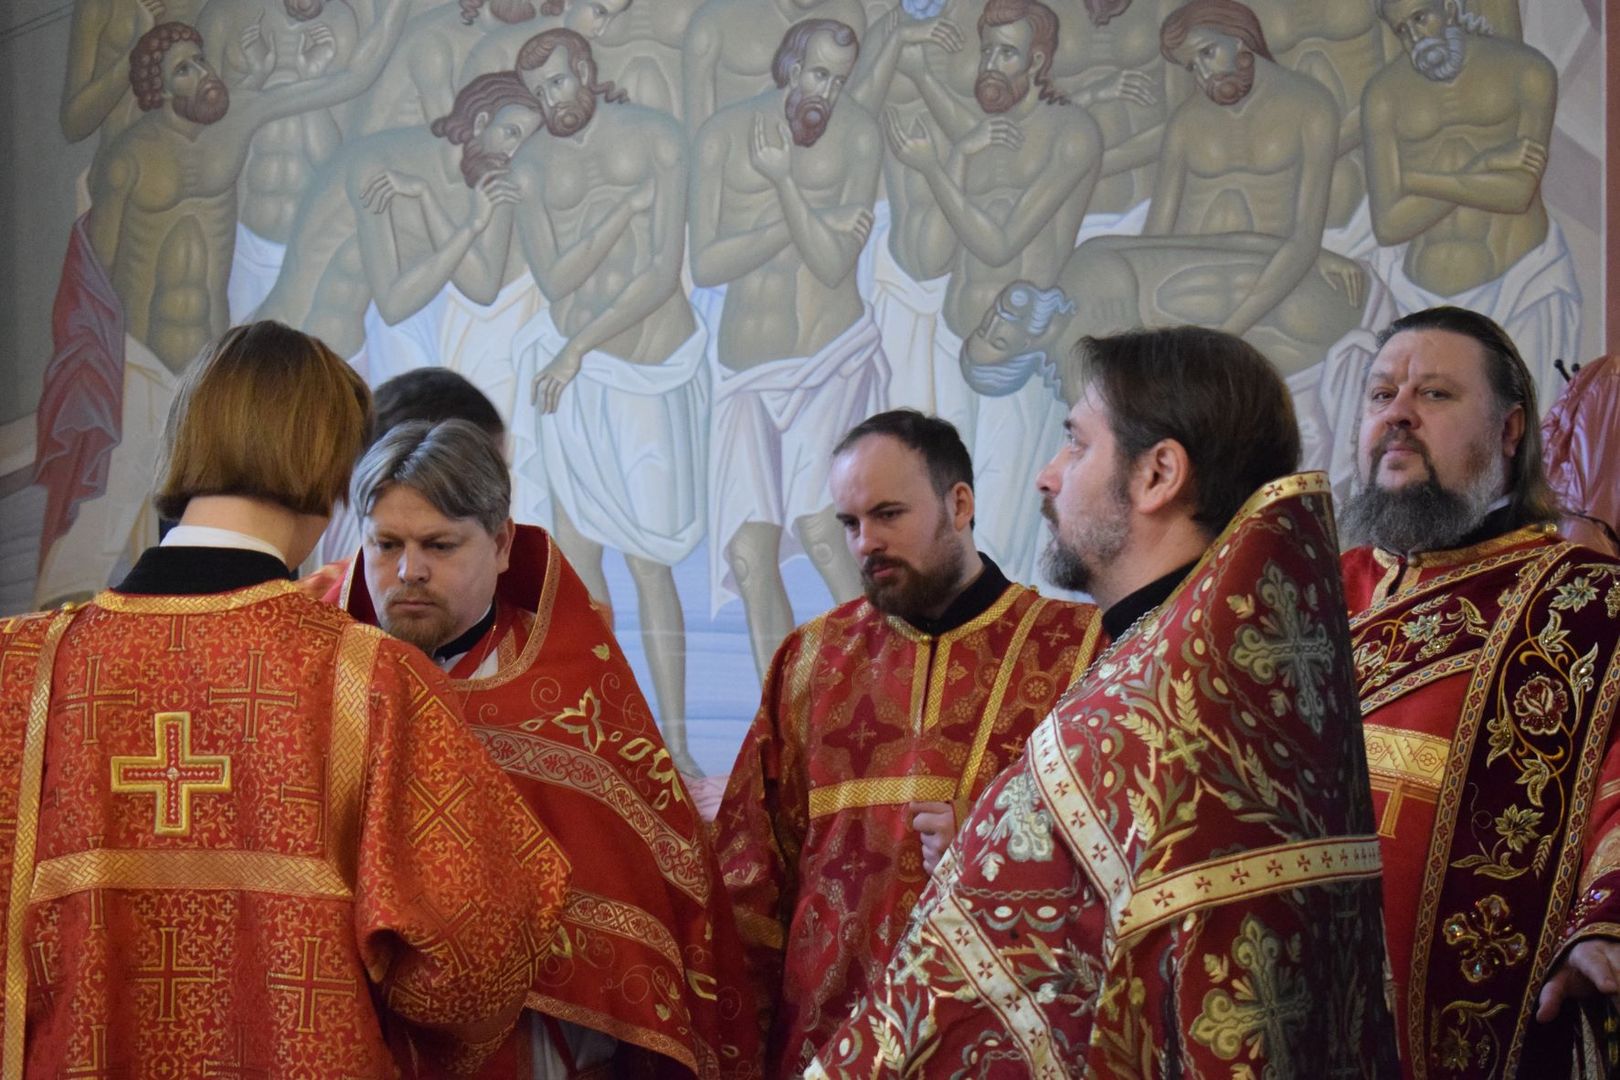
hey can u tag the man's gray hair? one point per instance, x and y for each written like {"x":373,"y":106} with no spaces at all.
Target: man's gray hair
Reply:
{"x":453,"y":464}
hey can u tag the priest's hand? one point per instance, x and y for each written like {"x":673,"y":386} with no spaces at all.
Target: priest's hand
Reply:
{"x":935,"y":823}
{"x":1592,"y":967}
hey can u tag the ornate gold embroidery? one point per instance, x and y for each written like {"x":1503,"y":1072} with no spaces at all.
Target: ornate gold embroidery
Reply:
{"x":1266,"y":999}
{"x":880,"y":791}
{"x":1290,"y":643}
{"x":538,"y":630}
{"x":584,"y":720}
{"x":1407,"y":765}
{"x":1486,"y":937}
{"x":346,"y":761}
{"x":206,"y":604}
{"x":992,"y":706}
{"x":1256,"y":872}
{"x":24,"y":841}
{"x":310,"y":985}
{"x":172,"y":774}
{"x":170,"y":974}
{"x":248,"y":871}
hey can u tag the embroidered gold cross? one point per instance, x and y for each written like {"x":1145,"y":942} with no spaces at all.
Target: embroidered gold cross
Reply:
{"x":310,"y":985}
{"x":252,"y":696}
{"x":170,"y":974}
{"x":172,"y":774}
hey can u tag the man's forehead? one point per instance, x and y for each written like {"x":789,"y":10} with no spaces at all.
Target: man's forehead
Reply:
{"x":1018,"y":33}
{"x":401,"y":510}
{"x":180,"y":51}
{"x":556,"y":64}
{"x":1413,"y":354}
{"x":1396,"y":11}
{"x":824,"y":51}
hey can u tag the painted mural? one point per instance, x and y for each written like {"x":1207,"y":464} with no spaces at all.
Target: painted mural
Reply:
{"x":683,"y":245}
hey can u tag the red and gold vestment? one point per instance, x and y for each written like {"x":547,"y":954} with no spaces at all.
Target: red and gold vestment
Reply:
{"x":1488,"y":677}
{"x":234,"y":822}
{"x":1179,"y":876}
{"x":648,"y":951}
{"x":861,"y":715}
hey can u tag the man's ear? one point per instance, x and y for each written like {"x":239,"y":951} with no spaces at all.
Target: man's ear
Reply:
{"x":503,"y":546}
{"x":1160,"y":476}
{"x":1037,"y":57}
{"x":1513,"y":431}
{"x":960,"y":501}
{"x":480,"y":122}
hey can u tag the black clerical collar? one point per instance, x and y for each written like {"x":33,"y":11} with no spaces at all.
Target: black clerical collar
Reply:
{"x":1118,"y":619}
{"x":196,"y":571}
{"x":473,"y":636}
{"x":970,"y":603}
{"x":1496,"y":523}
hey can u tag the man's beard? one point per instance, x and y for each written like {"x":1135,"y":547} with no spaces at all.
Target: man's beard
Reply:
{"x":570,"y":117}
{"x":807,"y":116}
{"x":476,"y":164}
{"x":303,"y":10}
{"x":1439,"y":58}
{"x":1101,"y":541}
{"x":1231,"y":87}
{"x":205,"y":105}
{"x":996,"y":93}
{"x":1423,"y":515}
{"x":426,"y":630}
{"x":914,"y":591}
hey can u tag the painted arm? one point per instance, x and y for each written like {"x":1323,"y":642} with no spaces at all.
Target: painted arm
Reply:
{"x":376,"y":43}
{"x":109,"y":194}
{"x":89,"y":94}
{"x":1071,"y":165}
{"x":483,"y":271}
{"x":659,"y":276}
{"x":401,"y":292}
{"x":953,"y":117}
{"x":700,"y":65}
{"x":1169,"y":181}
{"x":433,"y":70}
{"x":829,"y":251}
{"x":560,"y":271}
{"x":880,"y":52}
{"x":1297,"y":255}
{"x":657,"y":280}
{"x":718,"y":259}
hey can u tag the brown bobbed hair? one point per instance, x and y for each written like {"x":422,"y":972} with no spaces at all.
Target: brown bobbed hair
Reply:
{"x":265,"y":412}
{"x":1530,"y":497}
{"x":146,"y":61}
{"x":1213,"y":393}
{"x":1223,"y":16}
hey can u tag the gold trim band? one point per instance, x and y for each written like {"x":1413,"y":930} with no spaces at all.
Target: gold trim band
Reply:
{"x":880,"y":791}
{"x":24,"y":844}
{"x":1248,"y":874}
{"x":206,"y":604}
{"x":1409,"y":756}
{"x":242,"y":871}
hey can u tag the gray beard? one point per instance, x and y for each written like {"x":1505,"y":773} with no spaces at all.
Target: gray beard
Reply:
{"x":1440,"y":59}
{"x":1423,"y":516}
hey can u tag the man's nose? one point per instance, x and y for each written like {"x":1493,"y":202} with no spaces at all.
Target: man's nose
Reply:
{"x":412,"y":567}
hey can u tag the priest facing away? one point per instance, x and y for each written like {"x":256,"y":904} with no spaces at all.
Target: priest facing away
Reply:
{"x":241,"y":830}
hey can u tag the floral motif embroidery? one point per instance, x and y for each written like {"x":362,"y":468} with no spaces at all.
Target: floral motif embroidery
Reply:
{"x":1541,"y":705}
{"x":1486,"y":937}
{"x":1024,"y":823}
{"x":1468,"y":1044}
{"x":1575,"y":595}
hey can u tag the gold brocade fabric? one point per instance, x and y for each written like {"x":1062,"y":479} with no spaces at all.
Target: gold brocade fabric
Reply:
{"x":1179,"y":877}
{"x":861,"y":716}
{"x":246,"y":835}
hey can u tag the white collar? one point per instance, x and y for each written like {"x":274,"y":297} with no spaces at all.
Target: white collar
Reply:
{"x":211,"y":536}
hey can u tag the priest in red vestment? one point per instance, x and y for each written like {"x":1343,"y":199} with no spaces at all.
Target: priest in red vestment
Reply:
{"x":1488,"y":672}
{"x":1178,"y":877}
{"x":244,"y":833}
{"x":881,"y":721}
{"x":646,"y":976}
